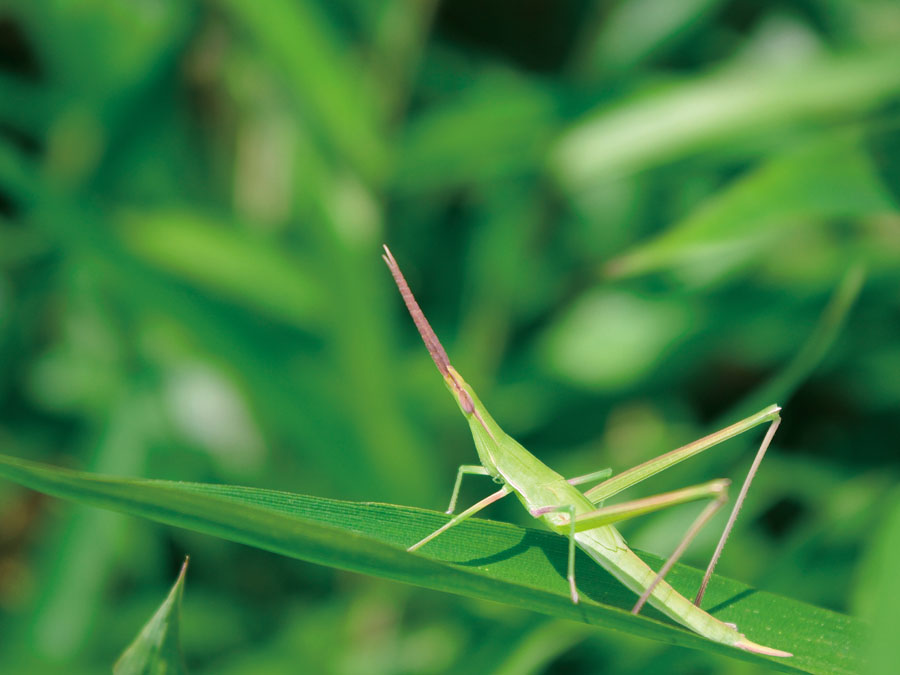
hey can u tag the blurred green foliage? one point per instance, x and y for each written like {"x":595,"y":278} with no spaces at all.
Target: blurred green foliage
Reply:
{"x":626,"y":220}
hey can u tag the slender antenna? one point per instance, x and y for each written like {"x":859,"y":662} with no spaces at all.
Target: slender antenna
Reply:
{"x":441,"y":360}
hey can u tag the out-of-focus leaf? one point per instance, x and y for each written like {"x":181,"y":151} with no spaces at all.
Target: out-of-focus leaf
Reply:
{"x":114,"y":50}
{"x":634,"y":30}
{"x":539,"y":646}
{"x":76,"y":574}
{"x":499,"y":127}
{"x":608,"y":339}
{"x":829,"y":178}
{"x":879,"y":589}
{"x":100,"y":64}
{"x":226,"y":260}
{"x":661,"y":125}
{"x":327,"y":85}
{"x":23,"y":106}
{"x":318,"y":424}
{"x":17,"y":174}
{"x":781,"y":386}
{"x":484,"y":559}
{"x":157,"y":648}
{"x":883,"y":144}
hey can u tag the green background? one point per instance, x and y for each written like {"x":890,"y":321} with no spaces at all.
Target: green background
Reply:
{"x":630,"y":223}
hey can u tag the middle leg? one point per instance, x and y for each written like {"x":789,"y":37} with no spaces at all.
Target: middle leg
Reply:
{"x":570,"y":570}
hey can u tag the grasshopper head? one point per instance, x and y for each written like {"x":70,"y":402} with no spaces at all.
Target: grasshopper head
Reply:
{"x":461,"y":391}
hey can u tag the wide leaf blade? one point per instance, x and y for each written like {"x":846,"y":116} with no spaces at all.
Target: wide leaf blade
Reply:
{"x":485,"y":559}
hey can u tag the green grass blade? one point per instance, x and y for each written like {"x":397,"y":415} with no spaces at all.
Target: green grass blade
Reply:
{"x":627,"y":38}
{"x":828,"y":178}
{"x":498,"y":128}
{"x":521,"y":567}
{"x":327,"y":82}
{"x":220,"y":258}
{"x":157,"y":650}
{"x":661,"y":125}
{"x":821,"y":341}
{"x":878,"y":590}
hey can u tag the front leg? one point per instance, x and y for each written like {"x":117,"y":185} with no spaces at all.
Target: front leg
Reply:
{"x":468,"y":513}
{"x":472,"y":470}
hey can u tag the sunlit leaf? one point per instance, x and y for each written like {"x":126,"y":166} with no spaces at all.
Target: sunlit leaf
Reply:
{"x":663,"y":124}
{"x":489,"y":560}
{"x":828,"y":178}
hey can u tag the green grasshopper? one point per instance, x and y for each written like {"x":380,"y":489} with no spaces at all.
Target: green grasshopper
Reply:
{"x":578,"y":516}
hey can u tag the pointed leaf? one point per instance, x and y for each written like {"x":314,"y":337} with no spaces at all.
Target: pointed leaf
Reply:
{"x":157,"y":648}
{"x":489,"y":560}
